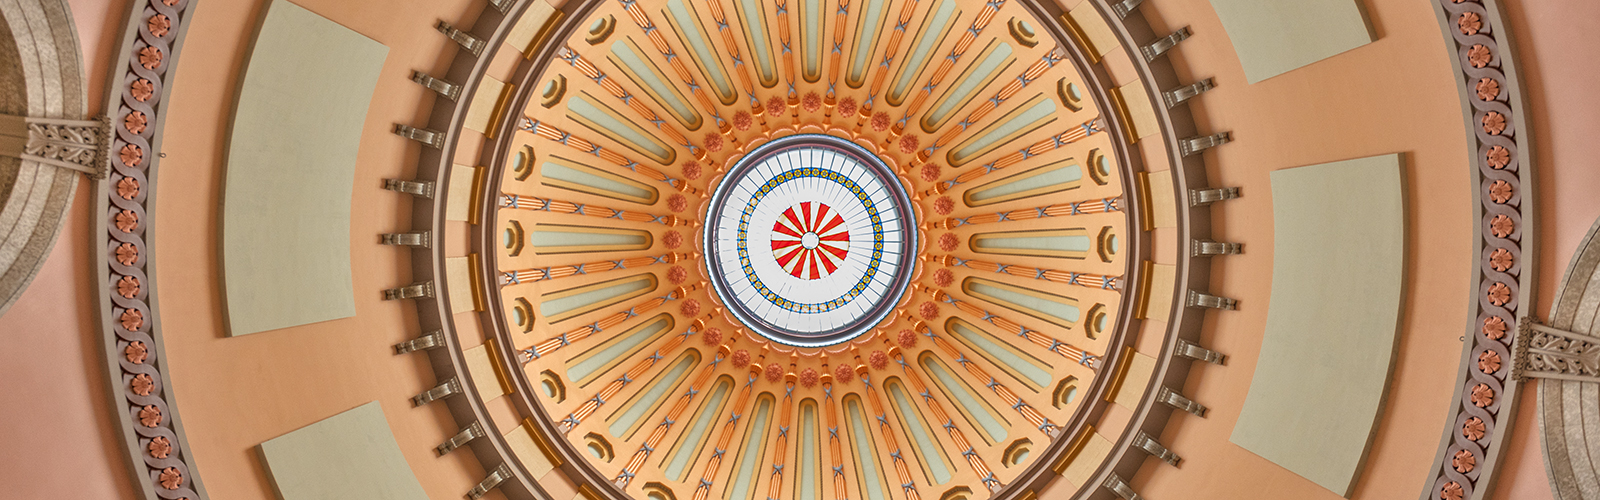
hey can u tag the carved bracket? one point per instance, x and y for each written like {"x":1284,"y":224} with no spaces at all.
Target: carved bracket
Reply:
{"x":1546,"y":352}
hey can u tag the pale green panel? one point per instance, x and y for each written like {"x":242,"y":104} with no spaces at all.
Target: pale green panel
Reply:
{"x":622,"y":349}
{"x":963,"y":91}
{"x":349,"y":455}
{"x":808,"y":453}
{"x":1030,"y":303}
{"x":290,"y":171}
{"x":695,"y":438}
{"x":709,"y":59}
{"x":562,"y":305}
{"x":929,"y":39}
{"x":866,"y":455}
{"x":979,"y":409}
{"x":1042,"y":180}
{"x":560,"y":172}
{"x":1067,"y":243}
{"x":926,"y":448}
{"x":755,"y":442}
{"x":867,"y":29}
{"x":1040,"y":375}
{"x":636,"y":64}
{"x":548,"y":239}
{"x":1338,"y":286}
{"x":644,"y":403}
{"x":1276,"y":37}
{"x":1040,"y":111}
{"x":811,"y":39}
{"x":755,"y":23}
{"x":615,"y":127}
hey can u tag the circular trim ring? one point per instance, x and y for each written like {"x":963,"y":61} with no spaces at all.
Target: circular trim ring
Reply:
{"x":897,"y":287}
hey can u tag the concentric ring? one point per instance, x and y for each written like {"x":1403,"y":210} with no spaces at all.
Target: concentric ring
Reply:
{"x":800,"y":189}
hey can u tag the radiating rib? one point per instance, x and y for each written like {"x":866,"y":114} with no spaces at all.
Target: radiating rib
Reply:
{"x":937,"y":409}
{"x":660,"y":431}
{"x":1066,"y":350}
{"x":1085,"y":207}
{"x":638,"y":370}
{"x":642,"y":19}
{"x":1052,"y":143}
{"x":902,"y":470}
{"x":836,"y":59}
{"x":780,"y":449}
{"x":508,"y":278}
{"x":549,"y":131}
{"x":1085,"y":280}
{"x":971,"y":35}
{"x":732,"y":46}
{"x":1034,"y":71}
{"x":1028,"y":412}
{"x":787,"y":45}
{"x":835,"y":450}
{"x":547,"y":346}
{"x":881,"y":74}
{"x":728,"y":430}
{"x":566,"y":207}
{"x":615,"y":89}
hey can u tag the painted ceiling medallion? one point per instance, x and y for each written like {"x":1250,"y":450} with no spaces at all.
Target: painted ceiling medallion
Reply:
{"x":812,"y":250}
{"x":837,"y":223}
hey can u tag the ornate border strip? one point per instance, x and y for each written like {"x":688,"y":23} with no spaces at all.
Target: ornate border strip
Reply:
{"x":1492,"y":104}
{"x":152,"y":433}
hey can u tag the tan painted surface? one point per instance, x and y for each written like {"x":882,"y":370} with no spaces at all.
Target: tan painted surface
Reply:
{"x":236,"y":392}
{"x":1393,"y":95}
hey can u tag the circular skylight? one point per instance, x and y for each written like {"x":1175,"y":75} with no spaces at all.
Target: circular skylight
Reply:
{"x":810,"y":240}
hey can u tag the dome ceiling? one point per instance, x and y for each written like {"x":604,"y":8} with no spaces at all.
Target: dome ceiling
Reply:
{"x":870,"y":249}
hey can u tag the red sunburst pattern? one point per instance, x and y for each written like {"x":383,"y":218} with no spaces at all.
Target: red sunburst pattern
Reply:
{"x":810,"y":240}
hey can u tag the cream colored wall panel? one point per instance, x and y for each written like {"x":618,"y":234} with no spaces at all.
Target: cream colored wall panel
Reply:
{"x":481,"y":111}
{"x":1141,"y":113}
{"x":458,"y":197}
{"x":532,"y":24}
{"x":1273,"y":37}
{"x":484,"y":377}
{"x":458,"y":270}
{"x":349,"y":455}
{"x":1337,"y":270}
{"x":522,"y":444}
{"x":290,"y":170}
{"x":1158,"y":304}
{"x":1131,"y":388}
{"x":1082,"y":465}
{"x":1094,"y":27}
{"x":1163,"y":201}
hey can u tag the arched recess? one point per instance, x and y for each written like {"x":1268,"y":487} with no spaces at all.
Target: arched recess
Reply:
{"x":1563,"y":363}
{"x":42,"y":79}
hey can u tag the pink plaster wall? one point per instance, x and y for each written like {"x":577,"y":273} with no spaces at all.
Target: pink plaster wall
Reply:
{"x":1559,"y":77}
{"x":59,"y":436}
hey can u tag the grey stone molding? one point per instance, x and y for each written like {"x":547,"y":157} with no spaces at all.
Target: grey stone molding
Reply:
{"x":152,"y":433}
{"x":1492,"y":107}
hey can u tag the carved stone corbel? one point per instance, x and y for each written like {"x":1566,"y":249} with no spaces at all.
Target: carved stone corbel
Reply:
{"x":80,"y":145}
{"x":1550,"y":353}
